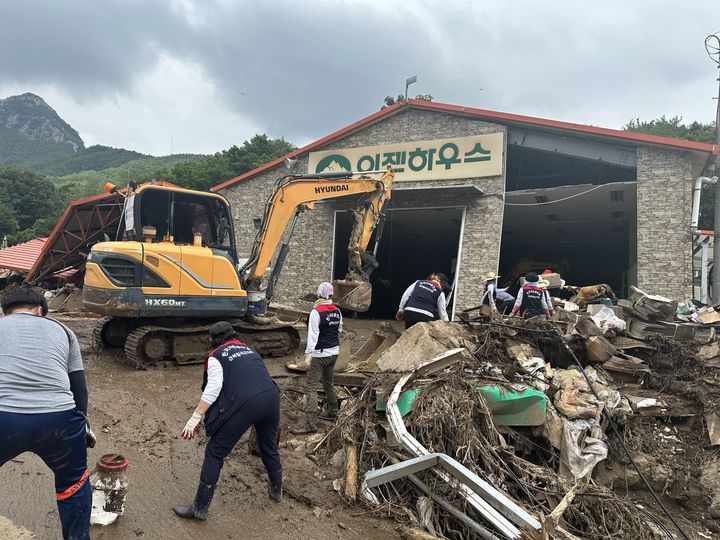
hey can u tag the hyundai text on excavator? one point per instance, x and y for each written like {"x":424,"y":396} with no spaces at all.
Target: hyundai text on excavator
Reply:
{"x":173,"y":269}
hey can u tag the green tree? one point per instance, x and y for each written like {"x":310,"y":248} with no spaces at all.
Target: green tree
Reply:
{"x":673,"y":127}
{"x":212,"y":170}
{"x":8,"y":222}
{"x":29,"y":195}
{"x":694,"y":131}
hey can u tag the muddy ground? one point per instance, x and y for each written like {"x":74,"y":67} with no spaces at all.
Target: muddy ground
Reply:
{"x":140,"y":414}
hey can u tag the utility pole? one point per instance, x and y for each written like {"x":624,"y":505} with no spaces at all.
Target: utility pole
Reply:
{"x":712,"y":46}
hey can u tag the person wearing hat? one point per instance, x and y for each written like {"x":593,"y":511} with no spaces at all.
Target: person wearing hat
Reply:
{"x":491,"y":294}
{"x":544,"y":284}
{"x":237,"y":393}
{"x":530,"y":301}
{"x":321,"y":353}
{"x":421,"y":299}
{"x":489,"y":290}
{"x":43,"y":403}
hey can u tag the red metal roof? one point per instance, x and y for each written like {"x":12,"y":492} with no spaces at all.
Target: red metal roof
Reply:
{"x":499,"y":117}
{"x":81,"y":225}
{"x":22,"y":257}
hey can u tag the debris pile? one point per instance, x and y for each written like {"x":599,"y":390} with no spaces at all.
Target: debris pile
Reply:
{"x":567,"y":427}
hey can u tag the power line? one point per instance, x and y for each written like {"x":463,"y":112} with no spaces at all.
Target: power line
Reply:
{"x":557,"y":201}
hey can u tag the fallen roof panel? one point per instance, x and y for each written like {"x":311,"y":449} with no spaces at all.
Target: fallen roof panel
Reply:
{"x":81,"y":225}
{"x":22,"y":257}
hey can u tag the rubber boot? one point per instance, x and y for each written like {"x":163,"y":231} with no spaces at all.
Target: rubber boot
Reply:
{"x":309,"y":427}
{"x":199,"y":508}
{"x":332,"y":411}
{"x":304,"y":430}
{"x":275,"y":485}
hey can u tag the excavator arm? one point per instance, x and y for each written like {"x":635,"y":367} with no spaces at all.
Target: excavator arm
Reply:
{"x":293,"y":195}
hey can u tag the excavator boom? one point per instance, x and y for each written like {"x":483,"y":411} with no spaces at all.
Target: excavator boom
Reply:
{"x":297,"y":193}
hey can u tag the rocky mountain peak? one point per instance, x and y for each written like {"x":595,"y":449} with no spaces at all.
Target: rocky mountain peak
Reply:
{"x":29,"y":117}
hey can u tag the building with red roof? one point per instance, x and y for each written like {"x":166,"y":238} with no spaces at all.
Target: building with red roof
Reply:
{"x":479,"y":190}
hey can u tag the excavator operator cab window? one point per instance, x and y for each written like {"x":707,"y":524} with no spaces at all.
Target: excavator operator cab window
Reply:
{"x":182,"y":216}
{"x":155,"y":211}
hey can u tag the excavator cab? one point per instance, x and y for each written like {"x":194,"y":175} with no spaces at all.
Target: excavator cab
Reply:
{"x":174,"y":254}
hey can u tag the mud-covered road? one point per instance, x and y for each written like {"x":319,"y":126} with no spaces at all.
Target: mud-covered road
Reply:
{"x":140,"y":414}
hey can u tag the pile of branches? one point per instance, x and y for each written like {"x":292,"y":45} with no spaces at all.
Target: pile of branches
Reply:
{"x":451,"y":417}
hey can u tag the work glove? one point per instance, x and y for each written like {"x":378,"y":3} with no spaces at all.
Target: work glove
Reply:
{"x":192,"y":426}
{"x":400,"y":315}
{"x":90,"y":438}
{"x":308,"y":360}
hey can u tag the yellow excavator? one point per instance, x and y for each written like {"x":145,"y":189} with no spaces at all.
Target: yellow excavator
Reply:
{"x":173,"y":269}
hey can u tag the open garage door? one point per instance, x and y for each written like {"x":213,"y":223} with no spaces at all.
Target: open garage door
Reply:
{"x":415,"y":243}
{"x":586,"y":232}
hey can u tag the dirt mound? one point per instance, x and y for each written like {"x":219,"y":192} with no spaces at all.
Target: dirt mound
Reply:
{"x":424,"y":341}
{"x":9,"y":531}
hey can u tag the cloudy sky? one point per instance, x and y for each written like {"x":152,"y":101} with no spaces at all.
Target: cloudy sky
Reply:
{"x":161,"y":76}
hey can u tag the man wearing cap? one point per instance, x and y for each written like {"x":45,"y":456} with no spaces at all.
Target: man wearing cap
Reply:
{"x":530,"y":301}
{"x":321,"y":353}
{"x":421,"y":299}
{"x":237,"y":393}
{"x":43,"y":402}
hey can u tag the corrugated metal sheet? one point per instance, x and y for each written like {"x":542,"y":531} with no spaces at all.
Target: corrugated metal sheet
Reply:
{"x":22,"y":257}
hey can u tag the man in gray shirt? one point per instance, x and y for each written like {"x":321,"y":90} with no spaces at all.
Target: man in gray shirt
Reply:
{"x":43,"y":402}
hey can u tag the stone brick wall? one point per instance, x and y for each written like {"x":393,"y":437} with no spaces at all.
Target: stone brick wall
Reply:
{"x":310,"y":258}
{"x":664,"y":206}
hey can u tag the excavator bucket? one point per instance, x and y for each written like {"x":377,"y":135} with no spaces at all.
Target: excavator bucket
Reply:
{"x":355,"y":295}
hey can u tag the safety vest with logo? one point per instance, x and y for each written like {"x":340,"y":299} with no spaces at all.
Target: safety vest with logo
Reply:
{"x":329,"y":326}
{"x":244,"y":376}
{"x":532,"y":301}
{"x":424,"y":297}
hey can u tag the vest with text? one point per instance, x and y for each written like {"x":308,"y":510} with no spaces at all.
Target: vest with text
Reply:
{"x":329,"y":327}
{"x":244,"y":376}
{"x":424,"y":297}
{"x":531,"y":304}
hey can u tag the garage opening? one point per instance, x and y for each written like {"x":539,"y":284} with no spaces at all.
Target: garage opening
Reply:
{"x":575,"y":214}
{"x":415,"y":243}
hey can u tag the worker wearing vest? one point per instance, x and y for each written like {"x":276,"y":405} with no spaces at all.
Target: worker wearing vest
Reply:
{"x":492,"y":294}
{"x":321,"y":353}
{"x":421,"y":299}
{"x":544,"y":284}
{"x":530,"y":301}
{"x":490,"y":290}
{"x":237,"y":393}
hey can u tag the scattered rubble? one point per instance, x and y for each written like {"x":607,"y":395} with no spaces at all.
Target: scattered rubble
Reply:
{"x":514,"y":409}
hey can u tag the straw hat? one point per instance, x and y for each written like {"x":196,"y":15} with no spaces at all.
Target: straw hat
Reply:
{"x":543,"y":283}
{"x":490,"y":276}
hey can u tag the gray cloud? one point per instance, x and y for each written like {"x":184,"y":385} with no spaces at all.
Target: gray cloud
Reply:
{"x":303,"y":69}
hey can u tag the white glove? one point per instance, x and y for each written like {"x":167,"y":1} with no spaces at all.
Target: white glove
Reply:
{"x":191,"y":427}
{"x":308,"y":360}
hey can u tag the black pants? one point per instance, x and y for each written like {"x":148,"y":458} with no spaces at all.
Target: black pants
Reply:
{"x":261,"y":411}
{"x":413,"y":317}
{"x":59,"y":439}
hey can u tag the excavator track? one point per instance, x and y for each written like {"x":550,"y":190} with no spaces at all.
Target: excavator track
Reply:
{"x":111,"y":332}
{"x":149,"y":345}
